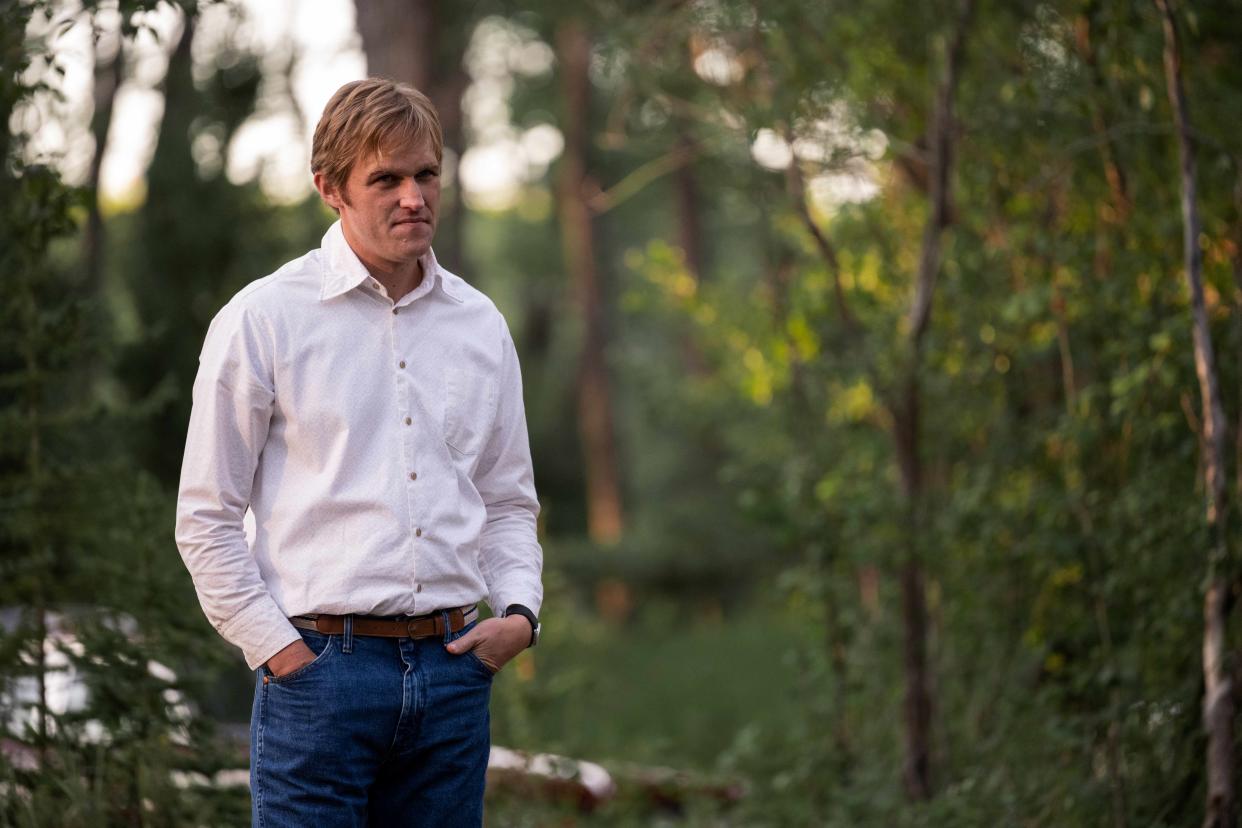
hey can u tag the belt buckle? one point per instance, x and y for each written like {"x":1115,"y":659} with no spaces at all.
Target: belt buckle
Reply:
{"x":409,"y":627}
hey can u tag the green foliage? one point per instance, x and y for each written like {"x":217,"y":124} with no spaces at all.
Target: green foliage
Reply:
{"x":85,"y":595}
{"x":754,"y":628}
{"x":196,"y":240}
{"x":1065,"y":543}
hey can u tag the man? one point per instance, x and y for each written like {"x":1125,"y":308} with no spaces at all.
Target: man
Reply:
{"x":366,"y":406}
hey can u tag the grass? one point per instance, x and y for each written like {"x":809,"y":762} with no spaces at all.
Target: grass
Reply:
{"x":670,"y":687}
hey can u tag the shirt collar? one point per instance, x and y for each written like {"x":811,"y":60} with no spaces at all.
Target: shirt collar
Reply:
{"x":344,"y":271}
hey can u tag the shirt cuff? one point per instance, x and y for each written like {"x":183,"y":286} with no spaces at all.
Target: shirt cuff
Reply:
{"x":500,"y":601}
{"x":261,"y":633}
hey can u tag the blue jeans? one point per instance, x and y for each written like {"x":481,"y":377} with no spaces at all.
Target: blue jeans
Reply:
{"x":373,"y":732}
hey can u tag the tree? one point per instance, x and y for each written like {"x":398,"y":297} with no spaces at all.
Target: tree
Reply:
{"x":422,"y":44}
{"x":109,"y":72}
{"x":1054,"y":512}
{"x":594,"y":388}
{"x":85,"y":594}
{"x":907,"y":422}
{"x":1218,"y":696}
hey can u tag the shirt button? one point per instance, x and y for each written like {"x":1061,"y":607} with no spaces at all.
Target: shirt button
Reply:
{"x":395,"y":311}
{"x":408,"y":421}
{"x":401,"y":364}
{"x":418,"y":533}
{"x":413,"y":475}
{"x":418,"y":588}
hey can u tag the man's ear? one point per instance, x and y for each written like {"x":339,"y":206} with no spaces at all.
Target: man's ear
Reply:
{"x":329,"y":192}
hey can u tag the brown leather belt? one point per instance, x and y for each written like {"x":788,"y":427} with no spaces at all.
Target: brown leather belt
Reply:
{"x":417,"y":626}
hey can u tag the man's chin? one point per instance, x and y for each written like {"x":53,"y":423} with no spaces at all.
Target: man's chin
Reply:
{"x":409,"y":249}
{"x":407,"y":234}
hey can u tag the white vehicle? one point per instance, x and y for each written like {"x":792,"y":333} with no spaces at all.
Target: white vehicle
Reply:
{"x":65,"y":689}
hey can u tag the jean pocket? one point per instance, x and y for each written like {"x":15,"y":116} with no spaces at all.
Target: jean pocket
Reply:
{"x":478,"y":662}
{"x":320,"y":644}
{"x":469,"y":655}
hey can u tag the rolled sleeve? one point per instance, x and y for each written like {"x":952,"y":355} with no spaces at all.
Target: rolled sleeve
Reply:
{"x":232,"y":409}
{"x":510,"y":557}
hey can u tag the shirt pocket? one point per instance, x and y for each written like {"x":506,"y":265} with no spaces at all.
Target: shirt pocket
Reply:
{"x":469,"y":409}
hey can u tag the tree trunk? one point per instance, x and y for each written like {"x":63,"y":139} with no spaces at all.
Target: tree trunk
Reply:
{"x":42,"y":706}
{"x":420,"y":43}
{"x":398,"y":37}
{"x":1114,"y":173}
{"x":906,"y":423}
{"x":689,"y":205}
{"x":39,"y":544}
{"x":595,"y":423}
{"x":108,"y":74}
{"x":447,"y":90}
{"x":1218,"y":707}
{"x":1237,"y":322}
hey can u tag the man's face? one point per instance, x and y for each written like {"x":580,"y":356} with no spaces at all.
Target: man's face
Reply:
{"x":389,"y":204}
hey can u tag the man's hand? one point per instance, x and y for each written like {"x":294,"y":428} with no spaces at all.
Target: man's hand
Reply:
{"x":495,"y":640}
{"x":293,"y":657}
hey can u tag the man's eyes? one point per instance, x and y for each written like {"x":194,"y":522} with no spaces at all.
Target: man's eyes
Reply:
{"x":389,"y":178}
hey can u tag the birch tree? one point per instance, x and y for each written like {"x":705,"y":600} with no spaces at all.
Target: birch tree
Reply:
{"x":1218,"y":688}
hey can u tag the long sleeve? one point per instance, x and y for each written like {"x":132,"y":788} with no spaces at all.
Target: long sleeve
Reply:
{"x":234,"y":396}
{"x":379,"y":446}
{"x":510,"y":556}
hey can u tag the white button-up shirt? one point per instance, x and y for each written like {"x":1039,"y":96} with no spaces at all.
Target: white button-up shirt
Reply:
{"x":381,"y":448}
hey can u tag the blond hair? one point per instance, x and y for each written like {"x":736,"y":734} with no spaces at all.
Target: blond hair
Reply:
{"x":367,"y":116}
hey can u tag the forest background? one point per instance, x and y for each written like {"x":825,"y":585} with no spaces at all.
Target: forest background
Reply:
{"x":881,"y":360}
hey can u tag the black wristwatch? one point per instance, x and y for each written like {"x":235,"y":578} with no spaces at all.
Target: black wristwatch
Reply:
{"x":518,"y":609}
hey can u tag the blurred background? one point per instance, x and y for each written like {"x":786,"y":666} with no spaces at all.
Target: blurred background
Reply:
{"x":881,"y":361}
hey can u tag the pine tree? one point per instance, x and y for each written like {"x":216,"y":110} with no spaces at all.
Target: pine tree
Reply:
{"x":93,"y":719}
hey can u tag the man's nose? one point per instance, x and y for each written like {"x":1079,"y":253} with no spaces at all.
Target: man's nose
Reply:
{"x":412,"y":194}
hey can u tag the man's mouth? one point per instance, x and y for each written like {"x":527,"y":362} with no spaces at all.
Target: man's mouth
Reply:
{"x":411,"y":221}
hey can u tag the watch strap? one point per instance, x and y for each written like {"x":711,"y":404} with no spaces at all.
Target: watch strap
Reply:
{"x":525,"y":612}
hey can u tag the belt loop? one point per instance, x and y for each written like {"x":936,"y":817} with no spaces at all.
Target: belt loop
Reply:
{"x":448,"y":628}
{"x":347,"y":646}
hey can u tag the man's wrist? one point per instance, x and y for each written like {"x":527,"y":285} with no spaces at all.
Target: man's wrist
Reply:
{"x":529,"y":616}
